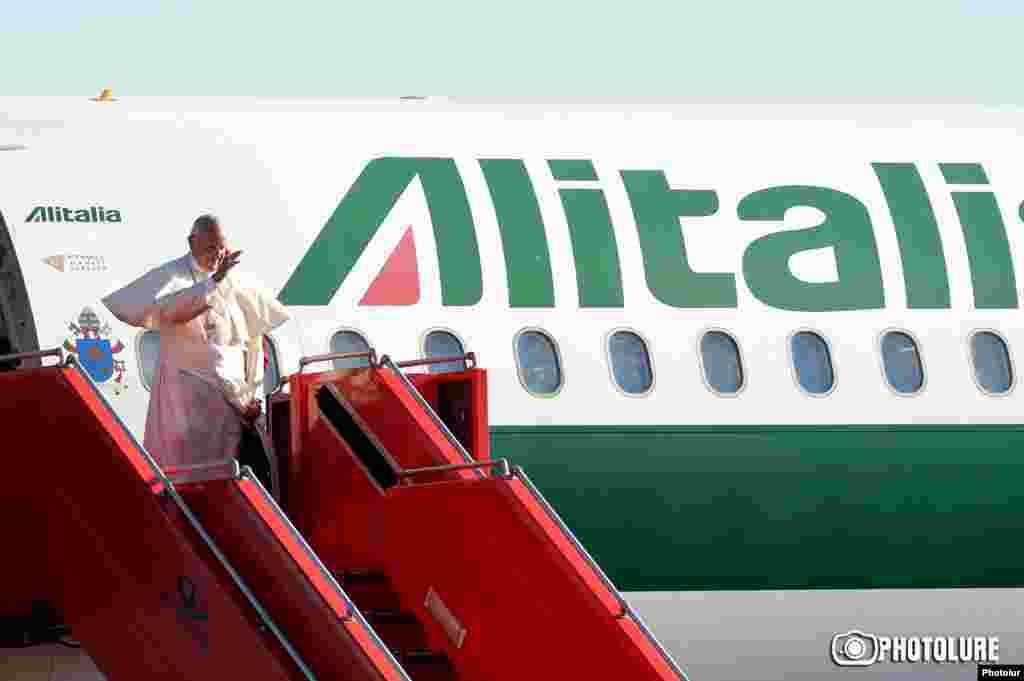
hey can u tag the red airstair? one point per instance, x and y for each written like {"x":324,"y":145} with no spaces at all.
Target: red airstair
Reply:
{"x":400,"y":551}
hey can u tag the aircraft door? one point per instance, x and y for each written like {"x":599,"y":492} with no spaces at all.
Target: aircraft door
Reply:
{"x":17,"y":325}
{"x":258,"y":448}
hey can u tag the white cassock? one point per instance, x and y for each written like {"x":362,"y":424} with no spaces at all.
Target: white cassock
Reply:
{"x":207,"y":367}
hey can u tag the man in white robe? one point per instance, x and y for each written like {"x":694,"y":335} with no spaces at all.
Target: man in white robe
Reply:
{"x":211,"y":327}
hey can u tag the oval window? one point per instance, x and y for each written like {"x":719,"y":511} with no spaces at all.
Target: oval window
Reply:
{"x":443,"y":344}
{"x":720,"y":356}
{"x":350,"y":341}
{"x":631,"y":363}
{"x":902,"y":362}
{"x":812,"y":363}
{"x":537,"y":362}
{"x":148,"y":353}
{"x":992,"y":367}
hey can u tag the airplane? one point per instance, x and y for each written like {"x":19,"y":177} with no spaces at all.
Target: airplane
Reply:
{"x":761,"y":358}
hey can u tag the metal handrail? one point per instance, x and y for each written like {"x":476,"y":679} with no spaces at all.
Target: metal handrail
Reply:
{"x":627,"y":610}
{"x":468,"y":357}
{"x":503,"y":464}
{"x":392,"y":464}
{"x":386,"y":361}
{"x":517,"y":472}
{"x":371,"y":354}
{"x":247,"y":474}
{"x":171,"y":492}
{"x":353,"y":611}
{"x":225,"y":469}
{"x":665,"y":655}
{"x":37,"y":354}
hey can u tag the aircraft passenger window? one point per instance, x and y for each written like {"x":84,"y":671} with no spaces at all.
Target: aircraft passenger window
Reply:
{"x":631,"y":363}
{"x":147,"y":353}
{"x":902,"y":362}
{"x":537,"y":361}
{"x":992,"y":367}
{"x":443,"y":344}
{"x":812,"y":363}
{"x":720,"y":356}
{"x":271,"y":368}
{"x":350,"y":341}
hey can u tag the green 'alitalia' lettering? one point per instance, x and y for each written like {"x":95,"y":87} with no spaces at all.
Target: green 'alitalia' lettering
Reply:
{"x":657,"y":210}
{"x":62,"y":214}
{"x":924,"y":262}
{"x":525,"y":244}
{"x":362,"y":211}
{"x":598,"y":276}
{"x":988,"y":250}
{"x":572,"y":170}
{"x":846,"y":228}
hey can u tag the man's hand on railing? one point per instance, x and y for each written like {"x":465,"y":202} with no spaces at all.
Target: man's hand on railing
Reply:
{"x":252,"y":411}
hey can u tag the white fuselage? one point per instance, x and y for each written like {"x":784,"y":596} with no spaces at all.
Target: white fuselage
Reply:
{"x":275,"y":172}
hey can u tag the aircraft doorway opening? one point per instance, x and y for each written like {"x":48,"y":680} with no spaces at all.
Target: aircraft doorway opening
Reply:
{"x":17,"y":325}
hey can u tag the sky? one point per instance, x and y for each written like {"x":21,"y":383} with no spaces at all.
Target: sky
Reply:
{"x":758,"y":49}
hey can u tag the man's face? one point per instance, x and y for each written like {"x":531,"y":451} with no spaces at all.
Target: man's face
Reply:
{"x":207,"y":247}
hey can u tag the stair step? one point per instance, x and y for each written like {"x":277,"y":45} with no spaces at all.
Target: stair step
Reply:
{"x":400,"y":631}
{"x":370,"y":590}
{"x":425,"y":665}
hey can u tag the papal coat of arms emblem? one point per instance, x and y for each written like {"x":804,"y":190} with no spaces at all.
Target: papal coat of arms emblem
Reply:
{"x":92,"y":344}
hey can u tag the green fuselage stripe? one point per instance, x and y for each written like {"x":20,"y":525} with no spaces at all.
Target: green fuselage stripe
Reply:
{"x":762,"y":507}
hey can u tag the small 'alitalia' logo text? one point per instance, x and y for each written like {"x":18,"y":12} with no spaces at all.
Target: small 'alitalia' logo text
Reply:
{"x":62,"y":214}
